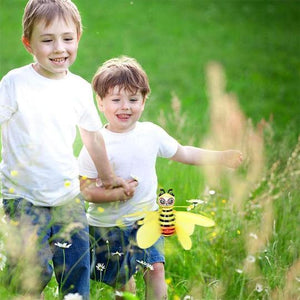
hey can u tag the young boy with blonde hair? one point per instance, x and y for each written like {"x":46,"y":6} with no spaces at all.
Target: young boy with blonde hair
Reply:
{"x":122,"y":88}
{"x":40,"y":106}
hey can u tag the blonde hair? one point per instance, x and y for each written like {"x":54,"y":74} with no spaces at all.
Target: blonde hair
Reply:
{"x":48,"y":10}
{"x":124,"y":72}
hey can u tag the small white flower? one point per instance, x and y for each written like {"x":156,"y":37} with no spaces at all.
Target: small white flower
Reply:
{"x":3,"y":219}
{"x":145,"y":264}
{"x":100,"y":267}
{"x":194,"y":203}
{"x":253,"y":235}
{"x":1,"y":245}
{"x":119,"y":294}
{"x":63,"y":245}
{"x":188,"y":297}
{"x":211,"y":192}
{"x":73,"y":297}
{"x":250,"y":258}
{"x":259,"y":288}
{"x":2,"y":261}
{"x":239,"y":271}
{"x":117,"y":253}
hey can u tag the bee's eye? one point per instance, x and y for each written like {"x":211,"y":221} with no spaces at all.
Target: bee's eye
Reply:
{"x":162,"y":201}
{"x":170,"y":201}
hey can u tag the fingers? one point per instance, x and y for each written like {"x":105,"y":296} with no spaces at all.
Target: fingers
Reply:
{"x":233,"y":158}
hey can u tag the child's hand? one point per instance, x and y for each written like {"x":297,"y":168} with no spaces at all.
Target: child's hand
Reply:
{"x":115,"y":182}
{"x":132,"y":184}
{"x":116,"y":193}
{"x":232,"y":158}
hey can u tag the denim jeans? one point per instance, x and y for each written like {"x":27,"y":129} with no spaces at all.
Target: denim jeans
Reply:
{"x":115,"y":256}
{"x":62,"y":242}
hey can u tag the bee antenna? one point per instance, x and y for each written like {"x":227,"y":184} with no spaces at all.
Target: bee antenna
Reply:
{"x":170,"y":191}
{"x":162,"y":191}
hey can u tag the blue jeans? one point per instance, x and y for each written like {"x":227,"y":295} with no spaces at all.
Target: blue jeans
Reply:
{"x":115,"y":256}
{"x":62,"y":238}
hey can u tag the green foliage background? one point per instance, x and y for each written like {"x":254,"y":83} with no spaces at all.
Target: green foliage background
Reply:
{"x":257,"y":43}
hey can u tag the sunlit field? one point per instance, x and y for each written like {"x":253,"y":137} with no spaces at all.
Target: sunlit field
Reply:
{"x":223,"y":74}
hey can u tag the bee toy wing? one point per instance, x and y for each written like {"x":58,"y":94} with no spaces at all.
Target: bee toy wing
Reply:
{"x":183,"y":235}
{"x":191,"y":218}
{"x":149,"y":232}
{"x":185,"y":224}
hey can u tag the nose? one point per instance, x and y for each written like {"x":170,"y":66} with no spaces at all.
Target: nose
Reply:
{"x":58,"y":46}
{"x":125,"y":104}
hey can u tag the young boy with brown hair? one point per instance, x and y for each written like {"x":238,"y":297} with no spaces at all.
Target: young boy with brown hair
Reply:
{"x":122,"y":88}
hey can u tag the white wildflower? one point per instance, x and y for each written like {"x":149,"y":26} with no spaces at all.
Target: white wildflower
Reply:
{"x":250,"y":258}
{"x":188,"y":297}
{"x":100,"y":267}
{"x":212,"y":192}
{"x":239,"y":271}
{"x":145,"y":264}
{"x":117,"y":253}
{"x":259,"y":288}
{"x":2,"y":261}
{"x":194,"y":203}
{"x":71,"y":296}
{"x":3,"y":219}
{"x":63,"y":245}
{"x":253,"y":235}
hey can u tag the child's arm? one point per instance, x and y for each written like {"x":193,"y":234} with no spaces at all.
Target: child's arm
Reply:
{"x":95,"y":192}
{"x":197,"y":156}
{"x":95,"y":145}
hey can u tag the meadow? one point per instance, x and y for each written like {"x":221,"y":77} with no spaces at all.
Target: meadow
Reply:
{"x":223,"y":74}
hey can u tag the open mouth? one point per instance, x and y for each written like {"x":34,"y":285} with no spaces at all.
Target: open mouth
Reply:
{"x":58,"y":60}
{"x":123,"y":116}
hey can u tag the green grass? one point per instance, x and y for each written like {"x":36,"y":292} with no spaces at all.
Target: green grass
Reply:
{"x":257,"y":43}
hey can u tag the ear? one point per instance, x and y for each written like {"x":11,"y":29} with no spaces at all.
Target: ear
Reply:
{"x":26,"y":44}
{"x":99,"y":102}
{"x":144,"y":102}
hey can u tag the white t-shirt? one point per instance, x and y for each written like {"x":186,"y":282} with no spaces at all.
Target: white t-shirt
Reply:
{"x":133,"y":153}
{"x":38,"y":118}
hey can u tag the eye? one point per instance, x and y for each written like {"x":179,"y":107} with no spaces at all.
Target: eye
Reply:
{"x":69,"y":39}
{"x":46,"y":41}
{"x":115,"y":100}
{"x":162,"y":201}
{"x":170,"y":201}
{"x":133,"y":100}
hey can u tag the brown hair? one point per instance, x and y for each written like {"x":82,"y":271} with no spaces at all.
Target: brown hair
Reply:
{"x":124,"y":72}
{"x":48,"y":10}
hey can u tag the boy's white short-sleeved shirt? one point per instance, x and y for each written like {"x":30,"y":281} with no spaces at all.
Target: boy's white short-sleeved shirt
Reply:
{"x":38,"y":118}
{"x":133,"y":153}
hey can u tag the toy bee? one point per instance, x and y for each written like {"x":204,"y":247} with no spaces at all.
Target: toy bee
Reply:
{"x":167,"y":221}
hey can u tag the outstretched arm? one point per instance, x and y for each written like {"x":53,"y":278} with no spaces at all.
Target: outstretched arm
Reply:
{"x":197,"y":156}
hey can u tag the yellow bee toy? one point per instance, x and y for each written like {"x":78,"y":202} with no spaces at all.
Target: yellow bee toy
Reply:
{"x":167,"y":221}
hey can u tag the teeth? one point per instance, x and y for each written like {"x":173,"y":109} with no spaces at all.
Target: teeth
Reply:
{"x":58,"y":60}
{"x":123,"y":116}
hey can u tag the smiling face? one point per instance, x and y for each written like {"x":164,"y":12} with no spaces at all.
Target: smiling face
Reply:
{"x":121,"y":108}
{"x":54,"y":47}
